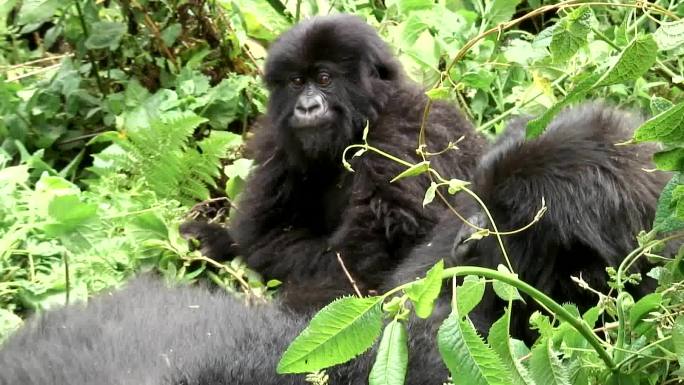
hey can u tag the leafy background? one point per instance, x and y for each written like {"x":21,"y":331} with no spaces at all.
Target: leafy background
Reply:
{"x":121,"y":118}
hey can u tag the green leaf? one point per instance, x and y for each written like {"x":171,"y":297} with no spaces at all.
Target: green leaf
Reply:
{"x":670,"y":160}
{"x":678,"y":339}
{"x":392,"y":359}
{"x":456,"y":185}
{"x":469,"y":294}
{"x":644,"y":306}
{"x":570,"y":34}
{"x":171,"y":33}
{"x":545,"y":366}
{"x":430,"y":194}
{"x":414,"y":170}
{"x":666,"y":219}
{"x":468,"y":358}
{"x":37,"y":11}
{"x":105,"y":34}
{"x":70,"y":209}
{"x":339,"y":332}
{"x":659,"y":105}
{"x":423,"y":293}
{"x":438,"y":93}
{"x":633,"y":62}
{"x":667,"y":127}
{"x":499,"y":11}
{"x":500,"y":341}
{"x":504,"y":290}
{"x":406,"y":6}
{"x":670,"y":35}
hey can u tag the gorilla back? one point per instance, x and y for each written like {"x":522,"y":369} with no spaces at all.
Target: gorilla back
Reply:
{"x":329,"y":77}
{"x":598,"y":195}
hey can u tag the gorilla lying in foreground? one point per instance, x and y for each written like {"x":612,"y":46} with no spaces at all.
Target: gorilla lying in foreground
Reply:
{"x":328,"y":78}
{"x":597,"y":197}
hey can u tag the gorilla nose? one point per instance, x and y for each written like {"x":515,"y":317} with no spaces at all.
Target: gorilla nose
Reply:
{"x":309,"y":107}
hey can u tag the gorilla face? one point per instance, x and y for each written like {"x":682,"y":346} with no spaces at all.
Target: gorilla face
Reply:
{"x":328,"y":77}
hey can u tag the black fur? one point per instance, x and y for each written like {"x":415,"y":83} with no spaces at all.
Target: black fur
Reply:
{"x":300,"y":207}
{"x":598,"y":197}
{"x":153,"y":335}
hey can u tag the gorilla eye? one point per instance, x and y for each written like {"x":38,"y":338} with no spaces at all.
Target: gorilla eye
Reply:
{"x":297,"y":81}
{"x":323,"y":79}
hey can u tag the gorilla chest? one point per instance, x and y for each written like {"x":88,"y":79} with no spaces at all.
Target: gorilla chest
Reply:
{"x":323,"y":204}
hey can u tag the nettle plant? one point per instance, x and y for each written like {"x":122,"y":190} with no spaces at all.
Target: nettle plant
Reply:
{"x":640,"y":341}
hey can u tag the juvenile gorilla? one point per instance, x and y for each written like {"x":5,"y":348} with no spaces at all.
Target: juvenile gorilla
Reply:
{"x":329,"y":77}
{"x":598,"y":196}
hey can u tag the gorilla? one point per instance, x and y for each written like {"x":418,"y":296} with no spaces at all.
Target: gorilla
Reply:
{"x":329,"y":78}
{"x":598,"y":197}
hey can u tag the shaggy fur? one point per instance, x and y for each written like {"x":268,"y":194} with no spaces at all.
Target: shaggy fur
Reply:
{"x":300,"y":207}
{"x":148,"y":334}
{"x":598,"y":197}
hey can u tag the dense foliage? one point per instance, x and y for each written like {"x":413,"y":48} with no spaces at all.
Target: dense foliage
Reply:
{"x":118,"y":116}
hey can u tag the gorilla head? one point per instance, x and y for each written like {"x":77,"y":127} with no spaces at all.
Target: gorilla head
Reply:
{"x":328,"y":76}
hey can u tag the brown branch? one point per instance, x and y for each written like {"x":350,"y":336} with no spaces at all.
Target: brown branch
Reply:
{"x":349,"y":276}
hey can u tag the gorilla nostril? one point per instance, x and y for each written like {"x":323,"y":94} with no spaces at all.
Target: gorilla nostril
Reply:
{"x":309,"y":106}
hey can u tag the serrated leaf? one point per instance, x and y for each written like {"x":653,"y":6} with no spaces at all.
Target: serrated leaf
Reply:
{"x":666,"y":219}
{"x":339,"y":332}
{"x":500,"y":341}
{"x":414,"y":170}
{"x":670,"y":35}
{"x":545,"y":366}
{"x":570,"y":34}
{"x":634,"y":61}
{"x":468,"y":358}
{"x":667,"y":127}
{"x":392,"y":359}
{"x":423,"y":293}
{"x":430,"y":194}
{"x":670,"y":160}
{"x":105,"y":34}
{"x":469,"y":294}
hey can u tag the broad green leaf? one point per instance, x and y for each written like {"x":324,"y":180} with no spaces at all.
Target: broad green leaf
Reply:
{"x":500,"y":341}
{"x":468,"y":358}
{"x":392,"y":359}
{"x":570,"y":34}
{"x":70,"y":209}
{"x":499,"y":11}
{"x":430,"y":194}
{"x":414,"y":170}
{"x":667,"y":127}
{"x":406,"y":6}
{"x":411,"y":29}
{"x":469,"y":294}
{"x":666,"y":219}
{"x":171,"y":33}
{"x":339,"y":332}
{"x":670,"y":35}
{"x":678,"y":339}
{"x":545,"y":366}
{"x":644,"y":306}
{"x":423,"y":293}
{"x":633,"y":62}
{"x":670,"y":160}
{"x":105,"y":34}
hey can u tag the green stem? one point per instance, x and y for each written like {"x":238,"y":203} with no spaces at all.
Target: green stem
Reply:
{"x":537,"y":295}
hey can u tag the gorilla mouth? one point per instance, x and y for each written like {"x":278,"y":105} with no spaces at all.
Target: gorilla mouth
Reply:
{"x":321,"y":120}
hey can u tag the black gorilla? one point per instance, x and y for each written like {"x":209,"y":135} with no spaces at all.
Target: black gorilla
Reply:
{"x":598,"y":196}
{"x":328,"y":78}
{"x":153,"y":335}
